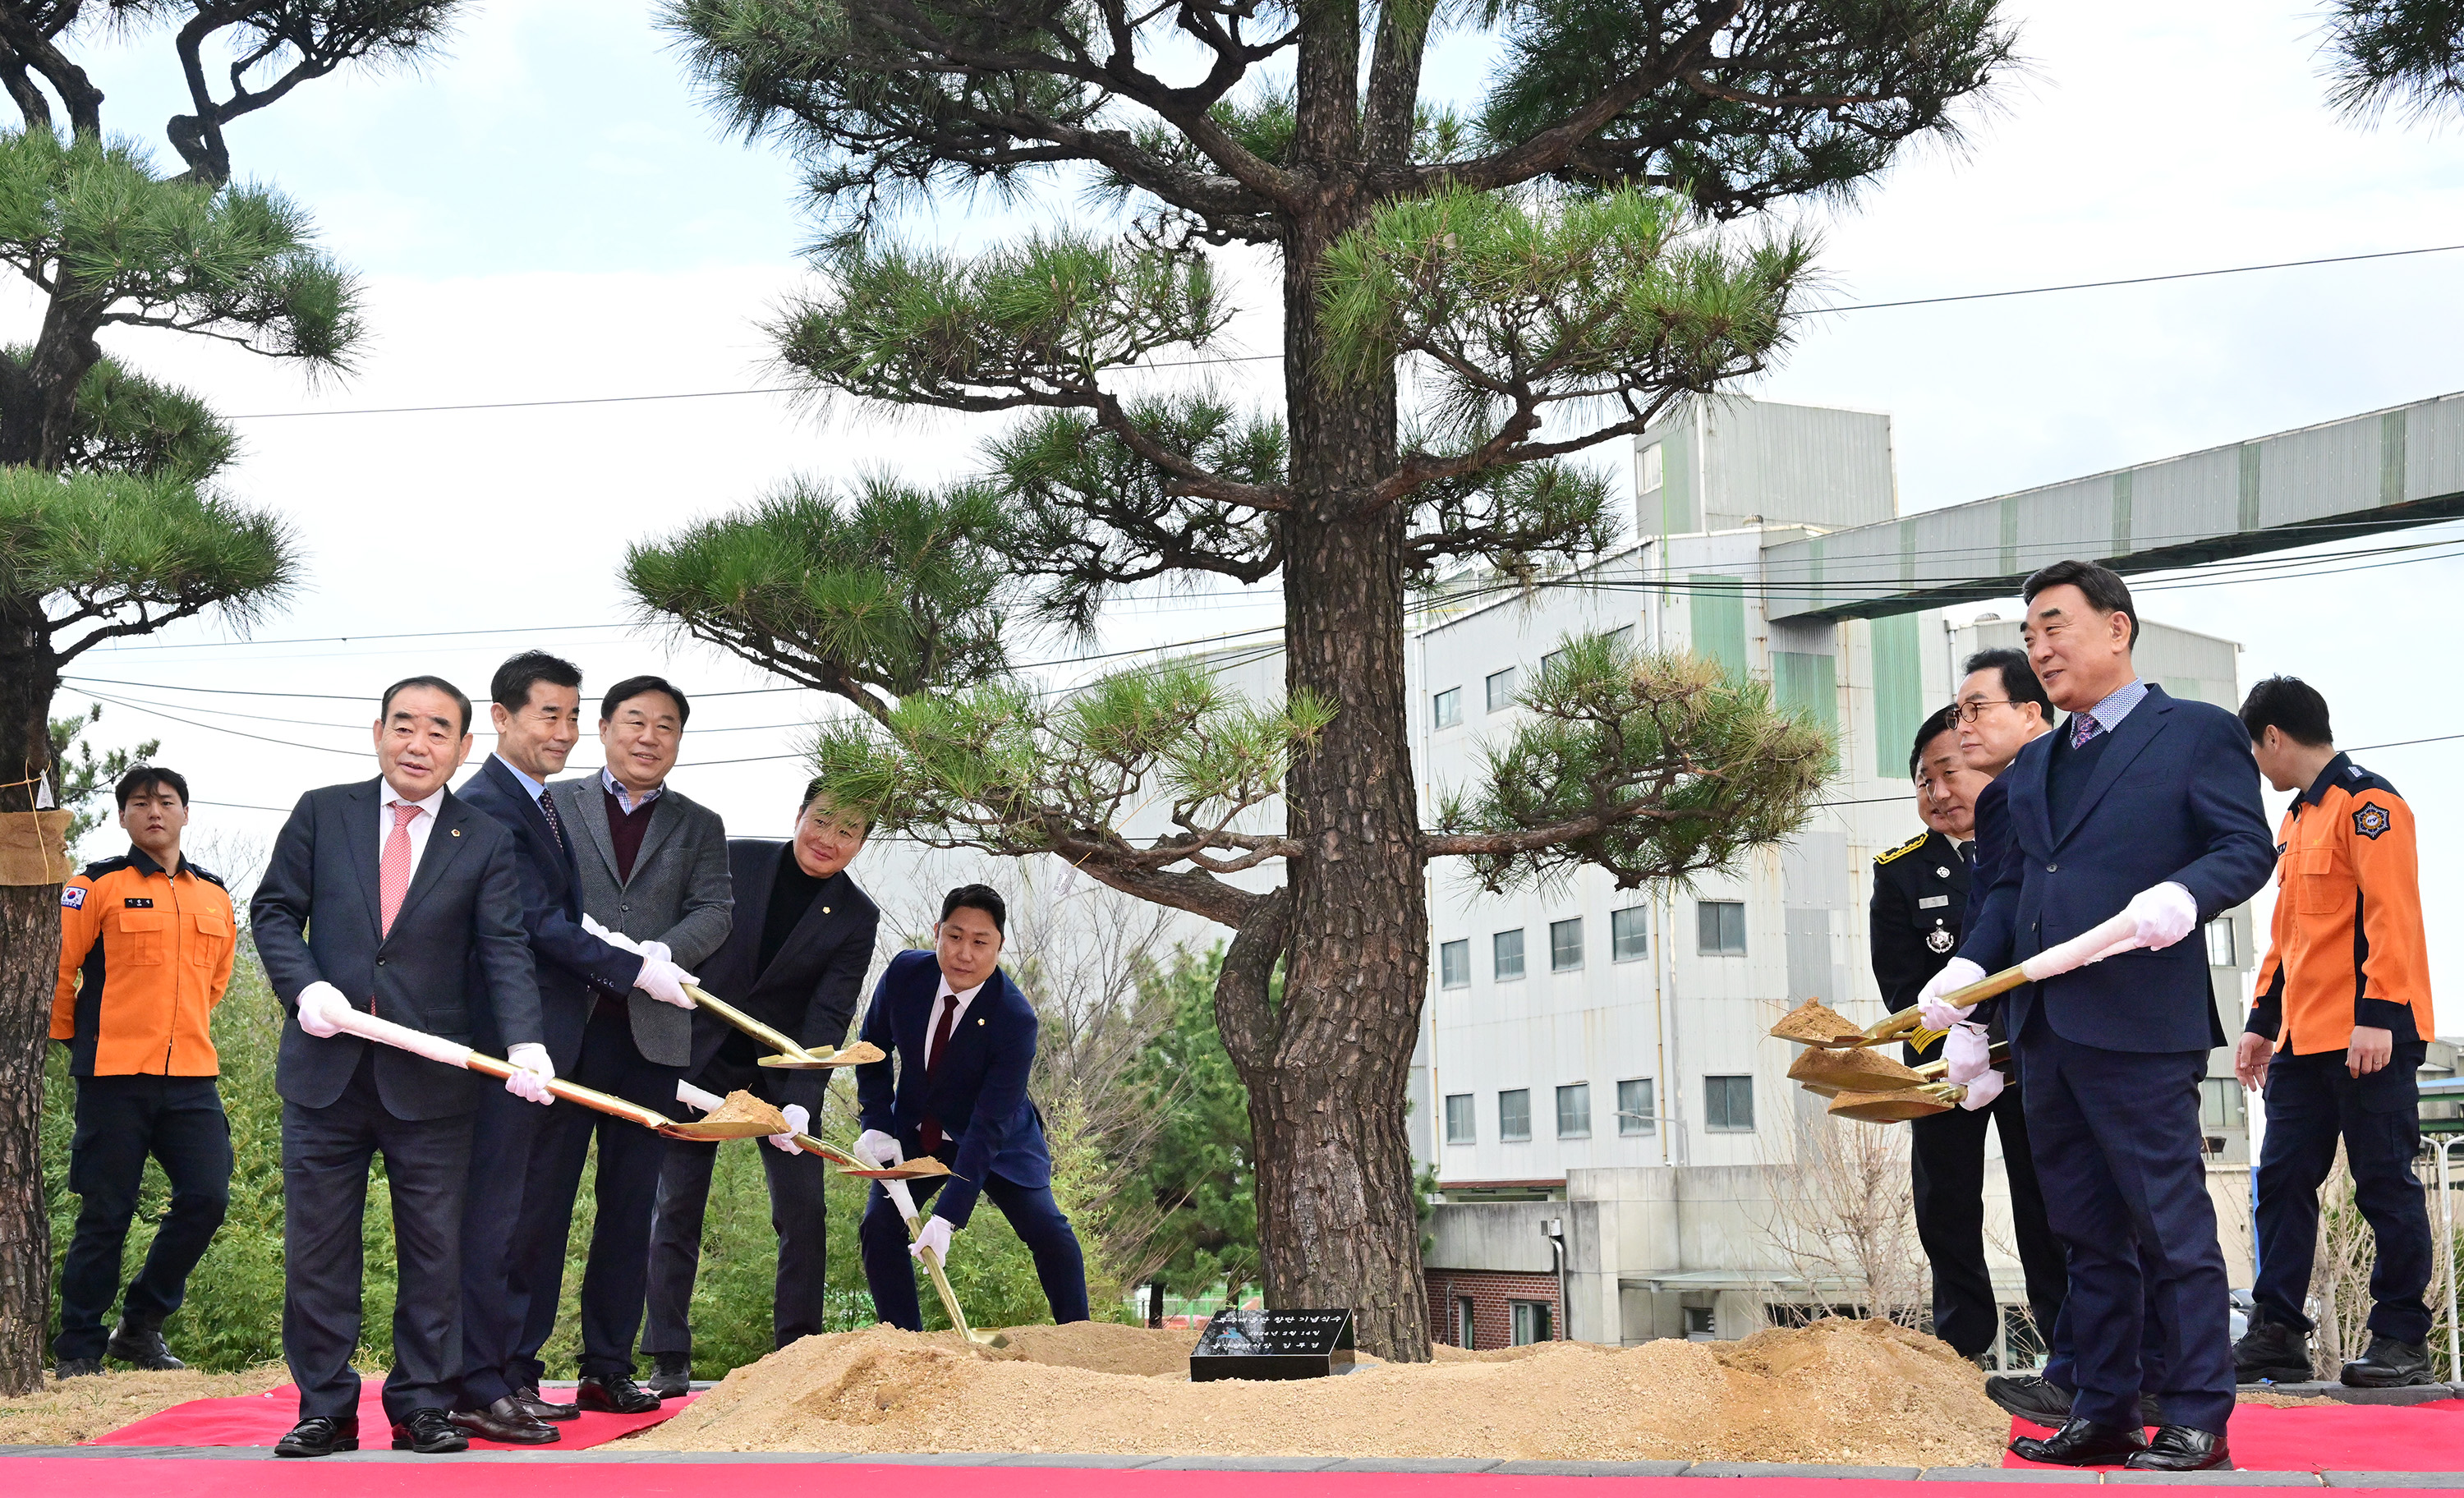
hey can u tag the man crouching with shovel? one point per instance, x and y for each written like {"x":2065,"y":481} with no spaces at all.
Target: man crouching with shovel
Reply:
{"x":961,"y":1040}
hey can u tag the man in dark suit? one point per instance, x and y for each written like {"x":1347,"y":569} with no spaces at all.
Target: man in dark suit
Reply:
{"x":959,"y":1041}
{"x":393,"y":897}
{"x":2146,"y":805}
{"x":1920,"y":896}
{"x":536,"y":709}
{"x":795,"y":959}
{"x":652,"y":866}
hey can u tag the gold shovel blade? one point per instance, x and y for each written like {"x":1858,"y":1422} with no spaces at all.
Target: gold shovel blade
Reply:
{"x":912,"y":1170}
{"x":706,"y":1131}
{"x":1814,"y":1023}
{"x":822,"y":1057}
{"x":1896,"y":1107}
{"x":1852,"y":1071}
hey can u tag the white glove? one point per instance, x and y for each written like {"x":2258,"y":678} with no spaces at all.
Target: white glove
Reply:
{"x":533,"y":1071}
{"x":1982,"y":1091}
{"x":880,"y":1149}
{"x":614,"y":939}
{"x":1967,"y":1051}
{"x":2165,"y":913}
{"x":1955,"y":975}
{"x":664,"y":981}
{"x":797,"y":1120}
{"x":936,"y":1237}
{"x":656,"y":949}
{"x":320,"y":1003}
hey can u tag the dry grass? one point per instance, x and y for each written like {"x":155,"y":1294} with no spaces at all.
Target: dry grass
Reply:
{"x":75,"y":1410}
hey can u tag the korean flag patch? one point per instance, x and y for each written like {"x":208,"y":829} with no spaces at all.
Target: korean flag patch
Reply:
{"x":2370,"y":820}
{"x":73,"y":896}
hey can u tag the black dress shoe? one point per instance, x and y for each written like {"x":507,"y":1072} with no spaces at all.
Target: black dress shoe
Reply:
{"x":504,"y":1422}
{"x":539,"y":1408}
{"x":2390,"y":1364}
{"x":671,"y":1375}
{"x":2272,"y":1353}
{"x":429,"y":1433}
{"x":2031,"y":1398}
{"x":318,"y":1436}
{"x":78,"y":1368}
{"x":2083,"y":1443}
{"x":2181,"y":1448}
{"x":142,"y":1344}
{"x":615,"y":1392}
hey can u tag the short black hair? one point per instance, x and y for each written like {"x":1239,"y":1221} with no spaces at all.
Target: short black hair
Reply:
{"x":145,"y":777}
{"x":385,"y":704}
{"x":977,"y":897}
{"x":2020,"y":681}
{"x":633,"y":687}
{"x":2106,"y":591}
{"x":1938,"y":722}
{"x":511,"y":690}
{"x":813,"y":790}
{"x":2291,"y":706}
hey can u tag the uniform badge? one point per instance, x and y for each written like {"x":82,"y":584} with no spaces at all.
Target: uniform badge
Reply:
{"x":2370,"y":821}
{"x":136,"y":904}
{"x":1938,"y":941}
{"x":1941,"y":873}
{"x":73,"y":896}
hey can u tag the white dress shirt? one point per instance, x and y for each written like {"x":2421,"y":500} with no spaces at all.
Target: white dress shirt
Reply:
{"x":420,"y":825}
{"x":935,"y":1027}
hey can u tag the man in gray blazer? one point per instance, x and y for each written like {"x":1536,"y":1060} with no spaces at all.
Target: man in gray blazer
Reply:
{"x":392,"y":897}
{"x":653,"y":868}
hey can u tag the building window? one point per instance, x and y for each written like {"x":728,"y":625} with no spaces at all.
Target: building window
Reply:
{"x":1630,"y":934}
{"x":1462,"y":1321}
{"x":1454,"y":965}
{"x":1445,"y":709}
{"x":1532,"y":1320}
{"x":1506,"y":955}
{"x":1720,"y":927}
{"x":1651,"y":476}
{"x":1701,"y":1324}
{"x":2221,"y":1105}
{"x":1574,"y":1112}
{"x":2220,"y":943}
{"x":1636,"y":1110}
{"x":1514,"y":1115}
{"x":1549,"y":662}
{"x":1459,"y":1124}
{"x":1728,"y":1105}
{"x":1501,"y":689}
{"x":1565,"y":945}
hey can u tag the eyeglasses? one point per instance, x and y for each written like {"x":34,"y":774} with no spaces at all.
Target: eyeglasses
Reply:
{"x":1969,"y":711}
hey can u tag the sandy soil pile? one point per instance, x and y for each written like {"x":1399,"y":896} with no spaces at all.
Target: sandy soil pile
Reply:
{"x":1837,"y":1391}
{"x":66,"y":1412}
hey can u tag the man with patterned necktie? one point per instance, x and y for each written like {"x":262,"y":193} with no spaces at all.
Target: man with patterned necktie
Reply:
{"x":392,"y":897}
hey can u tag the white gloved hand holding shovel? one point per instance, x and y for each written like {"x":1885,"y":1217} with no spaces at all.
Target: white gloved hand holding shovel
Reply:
{"x":664,"y":981}
{"x":797,"y":1121}
{"x":532,"y":1073}
{"x":1955,"y":975}
{"x":1966,"y":1052}
{"x":318,"y":1003}
{"x":880,"y":1148}
{"x":2164,"y":915}
{"x":936,"y":1237}
{"x":1982,"y":1091}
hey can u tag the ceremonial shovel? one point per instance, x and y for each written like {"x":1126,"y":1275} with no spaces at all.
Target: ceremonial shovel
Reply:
{"x":452,"y":1053}
{"x":1811,"y":1024}
{"x":791,"y":1056}
{"x":894,"y":1180}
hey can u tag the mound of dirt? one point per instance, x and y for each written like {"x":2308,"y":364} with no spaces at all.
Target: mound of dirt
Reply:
{"x":1866,"y":1392}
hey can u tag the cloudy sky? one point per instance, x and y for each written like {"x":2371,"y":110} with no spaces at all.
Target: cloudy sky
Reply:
{"x":547,"y":212}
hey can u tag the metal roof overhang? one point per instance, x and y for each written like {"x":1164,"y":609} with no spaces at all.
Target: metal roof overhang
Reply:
{"x":2383,"y":470}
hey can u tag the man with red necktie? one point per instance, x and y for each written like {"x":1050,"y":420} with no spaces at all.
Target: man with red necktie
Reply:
{"x":392,"y":897}
{"x":958,"y":1041}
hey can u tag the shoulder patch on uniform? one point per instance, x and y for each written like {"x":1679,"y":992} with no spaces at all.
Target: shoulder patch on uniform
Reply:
{"x":209,"y":876}
{"x":1908,"y":847}
{"x":97,"y":869}
{"x":73,"y":896}
{"x":2370,"y":821}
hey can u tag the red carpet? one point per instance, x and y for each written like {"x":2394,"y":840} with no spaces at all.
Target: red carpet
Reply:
{"x":150,"y":1477}
{"x":260,"y":1420}
{"x":2334,"y":1438}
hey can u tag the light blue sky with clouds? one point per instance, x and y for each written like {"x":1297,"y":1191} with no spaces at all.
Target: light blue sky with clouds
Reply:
{"x":545,"y":210}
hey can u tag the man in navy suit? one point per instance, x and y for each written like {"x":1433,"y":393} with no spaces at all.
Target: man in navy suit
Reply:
{"x":2145,"y":803}
{"x":392,"y":897}
{"x":536,"y":709}
{"x":958,"y":1041}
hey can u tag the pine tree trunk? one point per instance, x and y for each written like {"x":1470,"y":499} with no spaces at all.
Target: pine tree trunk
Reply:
{"x":1336,"y":1219}
{"x":29,"y":955}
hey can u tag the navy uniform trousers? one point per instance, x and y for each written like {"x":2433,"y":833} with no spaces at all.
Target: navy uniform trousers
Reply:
{"x":2311,"y":1102}
{"x":1033,"y":1215}
{"x":121,"y":1121}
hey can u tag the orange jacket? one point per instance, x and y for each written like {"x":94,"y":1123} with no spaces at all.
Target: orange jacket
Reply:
{"x":2347,"y":946}
{"x":144,"y":957}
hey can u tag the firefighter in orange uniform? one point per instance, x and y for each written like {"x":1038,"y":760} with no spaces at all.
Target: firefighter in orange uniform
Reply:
{"x":2336,"y":1040}
{"x":147,"y":941}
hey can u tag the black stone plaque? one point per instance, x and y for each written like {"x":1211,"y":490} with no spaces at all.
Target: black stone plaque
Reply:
{"x":1274,"y":1344}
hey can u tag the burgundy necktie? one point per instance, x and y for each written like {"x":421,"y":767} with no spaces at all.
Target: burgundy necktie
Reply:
{"x":930,"y":1132}
{"x":547,"y":810}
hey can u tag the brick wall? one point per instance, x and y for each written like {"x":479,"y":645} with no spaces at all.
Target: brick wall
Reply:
{"x":1491,"y":1295}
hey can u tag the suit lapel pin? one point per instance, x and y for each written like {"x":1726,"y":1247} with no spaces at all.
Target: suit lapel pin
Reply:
{"x":456,"y":831}
{"x":980,"y":1019}
{"x":1941,"y":873}
{"x":825,"y":909}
